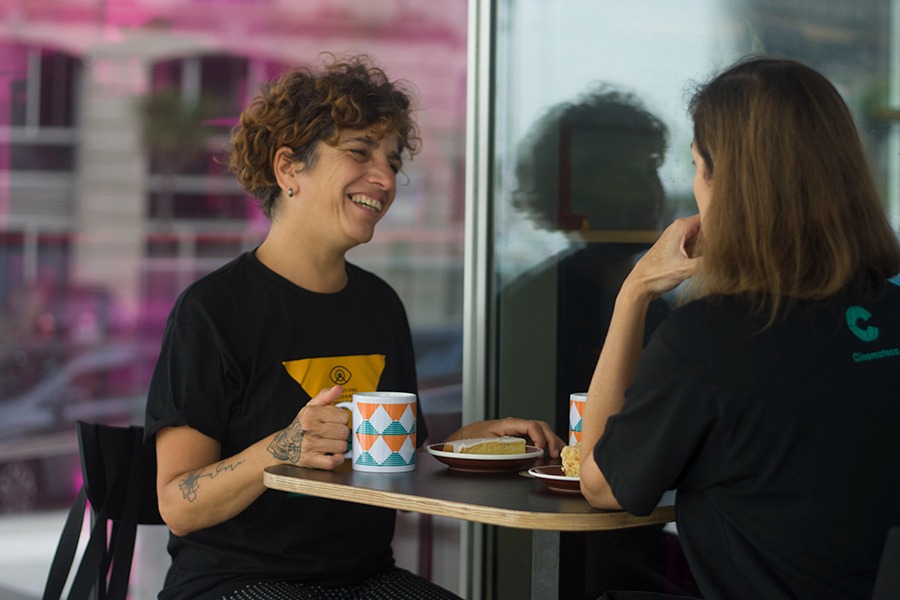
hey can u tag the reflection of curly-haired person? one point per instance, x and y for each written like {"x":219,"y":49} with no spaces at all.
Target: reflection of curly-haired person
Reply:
{"x":321,"y":150}
{"x":594,"y":160}
{"x":593,"y":163}
{"x":587,"y":165}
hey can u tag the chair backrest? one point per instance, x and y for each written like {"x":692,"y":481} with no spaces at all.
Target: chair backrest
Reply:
{"x":110,"y":459}
{"x":887,"y":582}
{"x":119,"y":473}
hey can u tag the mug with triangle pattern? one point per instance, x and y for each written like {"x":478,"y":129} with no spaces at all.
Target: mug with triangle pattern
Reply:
{"x":383,"y":431}
{"x":576,"y":413}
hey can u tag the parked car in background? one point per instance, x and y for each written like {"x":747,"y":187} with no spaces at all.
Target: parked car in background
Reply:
{"x":39,"y":460}
{"x":45,"y":389}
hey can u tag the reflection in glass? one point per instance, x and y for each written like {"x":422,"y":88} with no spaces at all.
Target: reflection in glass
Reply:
{"x":555,"y":268}
{"x":588,"y":169}
{"x":549,"y":53}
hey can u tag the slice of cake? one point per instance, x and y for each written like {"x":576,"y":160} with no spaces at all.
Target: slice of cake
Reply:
{"x":571,"y":460}
{"x":494,"y":445}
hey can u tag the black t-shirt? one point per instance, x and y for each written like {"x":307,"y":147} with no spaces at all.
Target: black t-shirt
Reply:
{"x":244,"y":349}
{"x":782,"y":443}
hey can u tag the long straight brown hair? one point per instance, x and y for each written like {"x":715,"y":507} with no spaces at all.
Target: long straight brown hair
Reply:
{"x":794,"y":212}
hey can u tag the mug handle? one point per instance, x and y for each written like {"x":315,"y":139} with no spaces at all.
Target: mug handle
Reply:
{"x":348,"y":406}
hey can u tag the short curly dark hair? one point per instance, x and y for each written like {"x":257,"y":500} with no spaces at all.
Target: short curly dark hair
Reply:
{"x":305,"y":106}
{"x":636,"y":132}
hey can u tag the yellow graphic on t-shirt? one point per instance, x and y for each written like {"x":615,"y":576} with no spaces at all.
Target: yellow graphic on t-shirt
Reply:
{"x":356,"y":373}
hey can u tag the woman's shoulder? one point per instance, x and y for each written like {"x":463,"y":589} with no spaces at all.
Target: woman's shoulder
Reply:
{"x":233,"y":275}
{"x":887,"y":292}
{"x":701,"y":328}
{"x":730,"y":318}
{"x":709,"y":310}
{"x":361,"y":278}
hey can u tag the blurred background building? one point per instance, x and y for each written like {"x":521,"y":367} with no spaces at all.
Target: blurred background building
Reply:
{"x":114,"y":115}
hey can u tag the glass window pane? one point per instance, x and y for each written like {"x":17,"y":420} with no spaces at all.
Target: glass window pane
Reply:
{"x":114,"y":195}
{"x":586,"y":94}
{"x":592,"y":150}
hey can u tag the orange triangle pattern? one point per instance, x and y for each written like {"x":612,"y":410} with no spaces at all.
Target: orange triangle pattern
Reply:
{"x":366,"y":409}
{"x":396,"y":410}
{"x":366,"y":440}
{"x":394,"y":442}
{"x":578,"y":406}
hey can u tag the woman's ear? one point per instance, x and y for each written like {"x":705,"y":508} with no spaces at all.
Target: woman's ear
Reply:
{"x":286,"y":170}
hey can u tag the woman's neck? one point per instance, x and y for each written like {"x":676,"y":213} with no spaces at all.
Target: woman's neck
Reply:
{"x":303,"y":262}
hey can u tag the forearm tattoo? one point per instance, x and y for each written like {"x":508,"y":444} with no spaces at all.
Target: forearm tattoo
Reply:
{"x":190,"y":483}
{"x":287,"y":443}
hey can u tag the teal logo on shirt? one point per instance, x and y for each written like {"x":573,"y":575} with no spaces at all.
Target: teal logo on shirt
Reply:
{"x":857,"y":317}
{"x":857,"y":321}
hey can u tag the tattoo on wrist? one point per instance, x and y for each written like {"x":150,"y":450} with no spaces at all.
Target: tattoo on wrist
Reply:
{"x":287,"y":443}
{"x":191,"y":483}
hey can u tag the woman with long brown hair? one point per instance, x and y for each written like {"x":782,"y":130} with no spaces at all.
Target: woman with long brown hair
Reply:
{"x":768,"y":398}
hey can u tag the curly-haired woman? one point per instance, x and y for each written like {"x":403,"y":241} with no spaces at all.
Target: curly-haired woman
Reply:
{"x":243,"y":378}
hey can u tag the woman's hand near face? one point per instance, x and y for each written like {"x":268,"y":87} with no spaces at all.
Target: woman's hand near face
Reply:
{"x":668,"y":262}
{"x":317,"y":437}
{"x":662,"y":268}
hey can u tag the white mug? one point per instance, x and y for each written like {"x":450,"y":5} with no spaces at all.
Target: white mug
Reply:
{"x":383,"y":431}
{"x":576,"y":414}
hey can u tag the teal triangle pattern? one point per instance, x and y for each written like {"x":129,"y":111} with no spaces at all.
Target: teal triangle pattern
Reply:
{"x":393,"y":460}
{"x":366,"y":459}
{"x":395,"y":428}
{"x":367,"y":427}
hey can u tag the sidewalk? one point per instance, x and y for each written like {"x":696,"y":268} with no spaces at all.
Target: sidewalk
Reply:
{"x":28,"y":542}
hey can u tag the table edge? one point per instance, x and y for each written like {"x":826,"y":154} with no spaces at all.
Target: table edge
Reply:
{"x":592,"y":521}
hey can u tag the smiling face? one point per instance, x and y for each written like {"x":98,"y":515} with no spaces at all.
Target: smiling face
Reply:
{"x":349,"y":186}
{"x":702,"y":181}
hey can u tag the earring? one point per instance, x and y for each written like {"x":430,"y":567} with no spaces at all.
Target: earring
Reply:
{"x":290,"y":192}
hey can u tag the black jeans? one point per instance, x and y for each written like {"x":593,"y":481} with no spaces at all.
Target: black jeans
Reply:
{"x":643,"y":559}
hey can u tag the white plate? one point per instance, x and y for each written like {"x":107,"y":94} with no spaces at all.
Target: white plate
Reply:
{"x":485,"y":463}
{"x":553,"y":477}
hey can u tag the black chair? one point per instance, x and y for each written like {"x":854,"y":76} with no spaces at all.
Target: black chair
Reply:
{"x":119,"y":473}
{"x":887,"y":581}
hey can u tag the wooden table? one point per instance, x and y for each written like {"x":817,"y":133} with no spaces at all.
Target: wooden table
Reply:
{"x":507,"y":500}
